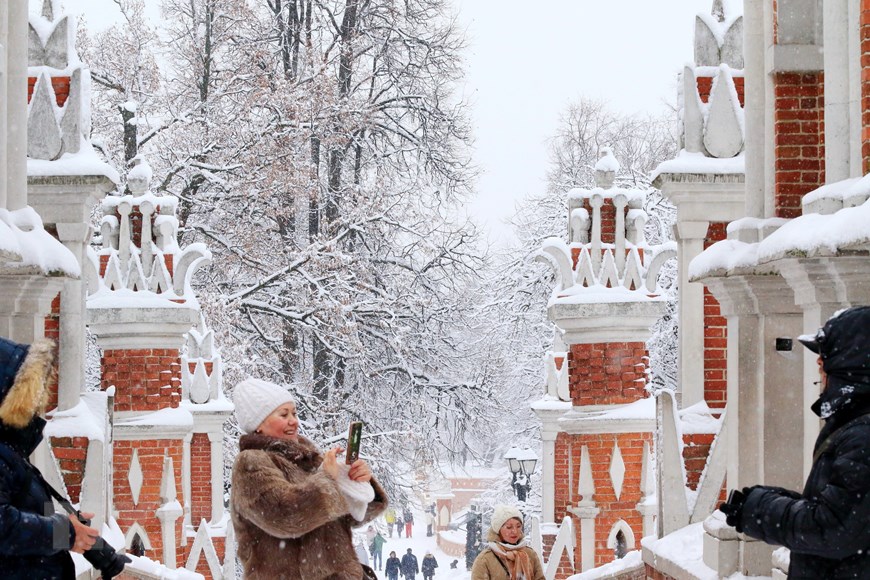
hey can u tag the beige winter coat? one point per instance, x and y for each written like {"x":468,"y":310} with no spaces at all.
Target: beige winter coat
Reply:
{"x":488,"y":566}
{"x":291,"y":521}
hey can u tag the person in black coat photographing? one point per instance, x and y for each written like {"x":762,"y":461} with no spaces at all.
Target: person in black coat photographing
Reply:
{"x":826,"y":526}
{"x":35,"y":542}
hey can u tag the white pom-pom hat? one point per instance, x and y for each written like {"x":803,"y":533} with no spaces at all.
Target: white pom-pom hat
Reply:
{"x":255,"y":399}
{"x":502,"y":514}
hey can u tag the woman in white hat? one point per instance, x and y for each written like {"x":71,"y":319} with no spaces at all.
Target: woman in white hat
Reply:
{"x":507,"y":555}
{"x":292,"y":507}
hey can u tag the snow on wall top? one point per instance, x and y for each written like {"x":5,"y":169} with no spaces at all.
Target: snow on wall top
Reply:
{"x":85,"y":162}
{"x":697,"y":163}
{"x":753,"y":243}
{"x":24,"y":243}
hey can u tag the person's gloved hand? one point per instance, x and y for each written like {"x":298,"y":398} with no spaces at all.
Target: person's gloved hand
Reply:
{"x":733,"y":508}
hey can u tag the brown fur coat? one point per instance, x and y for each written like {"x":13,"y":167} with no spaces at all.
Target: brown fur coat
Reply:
{"x":290,"y":519}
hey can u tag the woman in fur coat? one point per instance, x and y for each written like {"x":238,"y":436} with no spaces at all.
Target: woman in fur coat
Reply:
{"x":507,"y":556}
{"x":293,"y":508}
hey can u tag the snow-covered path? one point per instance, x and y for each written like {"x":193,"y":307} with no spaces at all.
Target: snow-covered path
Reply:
{"x":420,"y":544}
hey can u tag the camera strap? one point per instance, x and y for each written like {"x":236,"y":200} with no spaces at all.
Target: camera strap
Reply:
{"x":63,"y":501}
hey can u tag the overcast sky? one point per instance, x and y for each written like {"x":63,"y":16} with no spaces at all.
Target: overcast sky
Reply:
{"x":528,"y":60}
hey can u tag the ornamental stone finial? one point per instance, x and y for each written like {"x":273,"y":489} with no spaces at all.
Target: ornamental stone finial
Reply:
{"x":606,"y":168}
{"x":718,"y":10}
{"x":139,"y":177}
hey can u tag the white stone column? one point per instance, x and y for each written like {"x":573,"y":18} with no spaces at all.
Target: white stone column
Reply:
{"x":756,"y":85}
{"x":837,"y":91}
{"x":16,"y":105}
{"x":66,"y":203}
{"x":4,"y":99}
{"x":186,"y":487}
{"x":72,"y":340}
{"x":216,"y":438}
{"x":690,"y":244}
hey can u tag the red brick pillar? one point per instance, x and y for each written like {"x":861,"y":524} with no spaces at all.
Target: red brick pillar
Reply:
{"x":200,"y":478}
{"x":715,"y":335}
{"x":148,"y":379}
{"x":800,"y":139}
{"x":602,"y":374}
{"x":52,"y":331}
{"x":141,"y":510}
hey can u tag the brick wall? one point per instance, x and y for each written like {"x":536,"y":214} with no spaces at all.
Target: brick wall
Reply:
{"x":71,"y":454}
{"x":865,"y":84}
{"x":151,"y":454}
{"x":607,"y":373}
{"x":568,"y":450}
{"x":565,"y":569}
{"x":565,"y":482}
{"x":800,"y":141}
{"x":200,"y":478}
{"x":147,"y":379}
{"x":653,"y":574}
{"x":715,"y":335}
{"x":705,"y":86}
{"x":696,"y":449}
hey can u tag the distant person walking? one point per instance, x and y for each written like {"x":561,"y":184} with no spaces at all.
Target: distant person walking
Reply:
{"x":430,"y":522}
{"x":400,"y":524}
{"x":409,"y":521}
{"x":376,"y":547}
{"x":390,"y":518}
{"x":410,"y":568}
{"x":393,"y":566}
{"x":428,"y":566}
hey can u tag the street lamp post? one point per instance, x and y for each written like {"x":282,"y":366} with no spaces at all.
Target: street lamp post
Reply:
{"x":521,"y":463}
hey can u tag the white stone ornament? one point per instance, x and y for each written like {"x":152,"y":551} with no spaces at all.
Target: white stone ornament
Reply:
{"x":135,"y":476}
{"x":617,"y":470}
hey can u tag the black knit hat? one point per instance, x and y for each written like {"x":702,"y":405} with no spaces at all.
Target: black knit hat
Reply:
{"x":843,"y":343}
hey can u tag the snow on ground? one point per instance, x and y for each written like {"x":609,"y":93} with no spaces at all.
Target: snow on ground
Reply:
{"x":419,"y":545}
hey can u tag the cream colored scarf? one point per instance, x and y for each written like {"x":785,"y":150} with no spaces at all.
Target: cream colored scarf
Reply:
{"x":515,"y":558}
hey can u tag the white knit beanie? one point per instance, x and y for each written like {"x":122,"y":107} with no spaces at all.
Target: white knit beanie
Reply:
{"x":502,"y":514}
{"x":255,"y":399}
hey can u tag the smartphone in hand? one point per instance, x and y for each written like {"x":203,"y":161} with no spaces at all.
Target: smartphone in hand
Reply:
{"x":354,"y":438}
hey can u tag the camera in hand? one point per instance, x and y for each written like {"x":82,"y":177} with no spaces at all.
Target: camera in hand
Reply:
{"x":103,"y":556}
{"x":354,"y":438}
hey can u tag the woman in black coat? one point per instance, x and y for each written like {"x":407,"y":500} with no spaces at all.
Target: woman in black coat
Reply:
{"x":392,"y":567}
{"x":428,"y":566}
{"x":826,"y":526}
{"x":34,"y":542}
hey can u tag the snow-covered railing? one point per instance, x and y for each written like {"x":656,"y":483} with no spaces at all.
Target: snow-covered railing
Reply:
{"x":203,"y":544}
{"x":678,"y":508}
{"x":564,"y":544}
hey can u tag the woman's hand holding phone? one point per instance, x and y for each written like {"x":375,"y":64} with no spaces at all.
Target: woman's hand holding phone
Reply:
{"x":360,"y":471}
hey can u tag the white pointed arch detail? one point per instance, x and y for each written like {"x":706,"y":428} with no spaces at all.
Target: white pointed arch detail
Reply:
{"x":627,"y":533}
{"x":134,"y":529}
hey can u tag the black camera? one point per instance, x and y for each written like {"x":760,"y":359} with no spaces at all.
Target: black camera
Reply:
{"x":103,"y":556}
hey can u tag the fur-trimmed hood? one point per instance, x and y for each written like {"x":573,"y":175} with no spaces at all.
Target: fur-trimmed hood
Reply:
{"x":24,"y":375}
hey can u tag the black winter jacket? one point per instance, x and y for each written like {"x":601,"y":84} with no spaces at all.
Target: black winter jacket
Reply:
{"x":33,"y":545}
{"x":827,"y":527}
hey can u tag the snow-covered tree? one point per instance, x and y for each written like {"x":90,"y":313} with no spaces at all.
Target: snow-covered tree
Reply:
{"x":316,"y":146}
